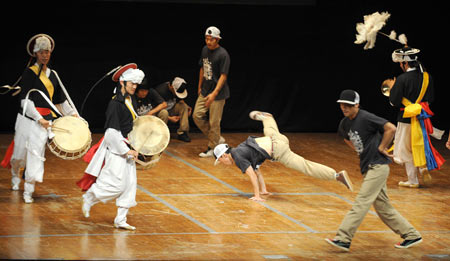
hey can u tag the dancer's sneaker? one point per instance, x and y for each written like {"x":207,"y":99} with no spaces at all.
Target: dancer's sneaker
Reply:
{"x":409,"y":243}
{"x":406,"y":184}
{"x":339,"y":244}
{"x":28,"y":199}
{"x":207,"y":153}
{"x":343,"y":177}
{"x":125,"y":226}
{"x":259,"y":115}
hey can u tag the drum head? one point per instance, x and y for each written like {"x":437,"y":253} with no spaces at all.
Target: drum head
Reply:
{"x":75,"y":138}
{"x":150,"y":135}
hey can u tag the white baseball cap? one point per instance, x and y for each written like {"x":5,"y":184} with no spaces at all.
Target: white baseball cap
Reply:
{"x":219,"y":150}
{"x":179,"y":85}
{"x":213,"y":31}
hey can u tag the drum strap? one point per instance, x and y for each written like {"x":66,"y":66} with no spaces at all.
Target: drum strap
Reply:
{"x":130,"y":107}
{"x":45,"y":98}
{"x":45,"y":80}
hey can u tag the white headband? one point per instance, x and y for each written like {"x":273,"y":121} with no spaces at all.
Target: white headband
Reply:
{"x":42,"y":43}
{"x":132,"y":75}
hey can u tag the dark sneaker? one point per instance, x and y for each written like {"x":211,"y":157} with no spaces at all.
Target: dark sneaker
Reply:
{"x":408,"y":243}
{"x":343,"y":177}
{"x":184,"y":137}
{"x":339,"y":244}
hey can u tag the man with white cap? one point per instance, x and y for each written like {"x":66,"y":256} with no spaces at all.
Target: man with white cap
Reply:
{"x":250,"y":154}
{"x":411,"y":86}
{"x":213,"y":89}
{"x":370,"y":136}
{"x":113,"y":164}
{"x":174,"y":94}
{"x":32,"y":125}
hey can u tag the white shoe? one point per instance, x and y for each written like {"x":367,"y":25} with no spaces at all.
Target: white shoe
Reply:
{"x":208,"y":153}
{"x":125,"y":226}
{"x":343,"y":177}
{"x":221,"y":140}
{"x":15,"y":187}
{"x":259,"y":115}
{"x":407,"y":184}
{"x":85,"y":208}
{"x":28,"y":199}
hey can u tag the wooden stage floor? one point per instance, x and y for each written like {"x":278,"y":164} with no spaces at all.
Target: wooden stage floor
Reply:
{"x":188,"y":209}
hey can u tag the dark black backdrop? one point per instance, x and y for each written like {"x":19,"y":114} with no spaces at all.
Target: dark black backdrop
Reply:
{"x":291,"y":58}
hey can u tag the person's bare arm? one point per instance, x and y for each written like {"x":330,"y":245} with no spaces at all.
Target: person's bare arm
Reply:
{"x":253,"y":178}
{"x":262,"y":184}
{"x":212,"y":96}
{"x":157,"y":109}
{"x":388,"y":136}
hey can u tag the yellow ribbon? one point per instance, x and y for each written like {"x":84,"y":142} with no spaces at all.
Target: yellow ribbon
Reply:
{"x":47,"y":83}
{"x":411,"y":111}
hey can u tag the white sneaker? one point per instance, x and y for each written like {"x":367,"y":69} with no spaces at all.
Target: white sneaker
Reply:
{"x":259,"y":115}
{"x":125,"y":226}
{"x":222,"y":140}
{"x":15,"y":187}
{"x":207,"y":153}
{"x":28,"y":199}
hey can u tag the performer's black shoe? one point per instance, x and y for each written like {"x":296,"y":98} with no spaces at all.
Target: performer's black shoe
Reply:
{"x":339,"y":244}
{"x":184,"y":137}
{"x":409,"y":243}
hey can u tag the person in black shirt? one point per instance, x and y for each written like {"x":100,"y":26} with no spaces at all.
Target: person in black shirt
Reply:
{"x":149,"y":102}
{"x":174,"y":94}
{"x":250,"y":154}
{"x":370,"y":136}
{"x":213,"y":89}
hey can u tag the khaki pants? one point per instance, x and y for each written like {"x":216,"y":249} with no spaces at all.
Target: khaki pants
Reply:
{"x":373,"y":191}
{"x":283,"y":154}
{"x":180,"y":109}
{"x":210,"y":127}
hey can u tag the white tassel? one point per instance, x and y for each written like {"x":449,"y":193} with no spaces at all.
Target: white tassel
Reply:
{"x":402,"y":39}
{"x":393,"y":35}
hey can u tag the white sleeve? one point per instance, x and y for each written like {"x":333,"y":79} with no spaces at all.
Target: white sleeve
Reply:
{"x":115,"y":142}
{"x":66,"y":109}
{"x":31,"y":109}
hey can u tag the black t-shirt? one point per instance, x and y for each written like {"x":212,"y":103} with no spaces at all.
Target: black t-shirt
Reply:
{"x":168,"y":96}
{"x":214,"y":62}
{"x":365,"y":132}
{"x":118,"y":116}
{"x":249,"y":153}
{"x":150,"y":101}
{"x":408,"y":85}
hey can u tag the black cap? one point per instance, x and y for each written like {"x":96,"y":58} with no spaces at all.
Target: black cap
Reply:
{"x":349,"y":97}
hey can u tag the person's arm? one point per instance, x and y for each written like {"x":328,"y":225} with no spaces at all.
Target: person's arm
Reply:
{"x":212,"y":96}
{"x":251,"y":173}
{"x":157,"y":109}
{"x":448,"y":141}
{"x":261,"y":182}
{"x":388,"y":136}
{"x":200,"y":81}
{"x":350,"y":144}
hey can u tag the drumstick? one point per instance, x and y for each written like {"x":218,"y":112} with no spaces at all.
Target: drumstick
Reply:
{"x":60,"y":129}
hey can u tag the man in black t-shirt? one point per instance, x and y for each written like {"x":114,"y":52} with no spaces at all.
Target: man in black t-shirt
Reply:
{"x":149,"y":102}
{"x":370,"y":136}
{"x":213,"y":89}
{"x":174,"y":94}
{"x":250,"y":154}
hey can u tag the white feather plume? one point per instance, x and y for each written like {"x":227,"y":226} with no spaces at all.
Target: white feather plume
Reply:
{"x":393,"y":35}
{"x":402,"y":39}
{"x":367,"y":31}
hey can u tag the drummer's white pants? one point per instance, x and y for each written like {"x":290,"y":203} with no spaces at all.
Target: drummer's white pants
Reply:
{"x":117,"y":180}
{"x":29,"y":153}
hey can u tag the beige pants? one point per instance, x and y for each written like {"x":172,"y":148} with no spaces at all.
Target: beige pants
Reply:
{"x":180,"y":109}
{"x":283,"y":154}
{"x":373,"y":191}
{"x":210,"y":127}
